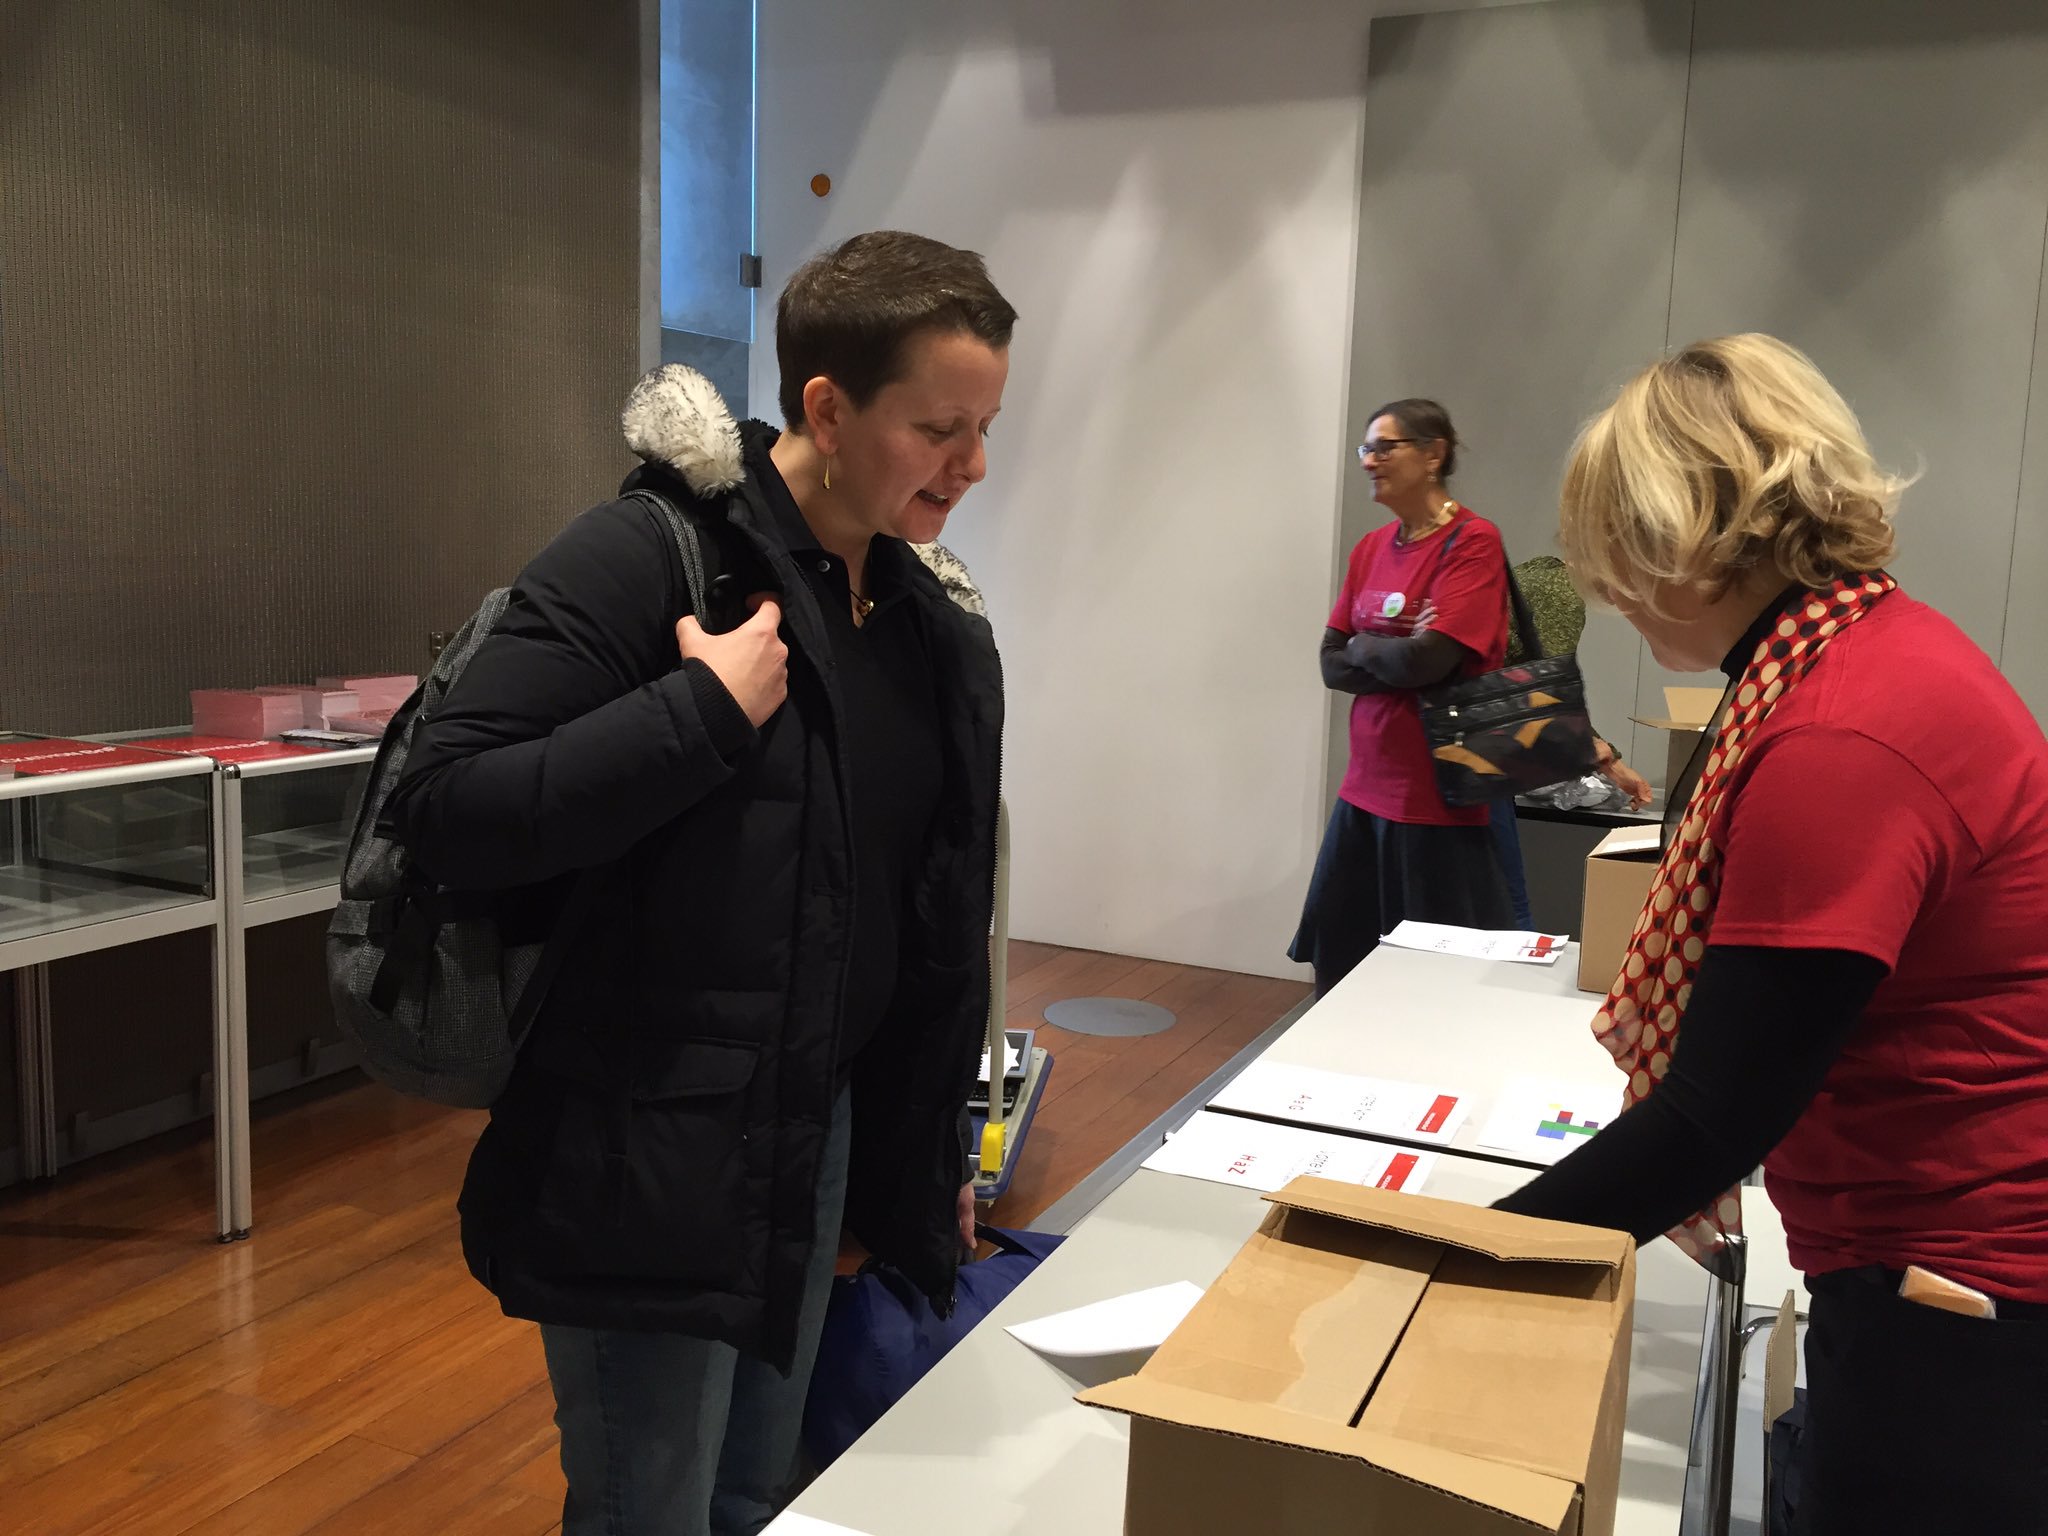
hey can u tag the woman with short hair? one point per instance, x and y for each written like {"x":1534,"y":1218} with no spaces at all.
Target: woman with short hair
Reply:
{"x":772,"y":1012}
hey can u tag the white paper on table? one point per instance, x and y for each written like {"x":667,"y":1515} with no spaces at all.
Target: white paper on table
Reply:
{"x":1011,"y":1056}
{"x":1479,"y":943}
{"x":1118,"y":1326}
{"x":1543,"y":1119}
{"x":1229,"y":1149}
{"x":1373,"y":1106}
{"x":793,"y":1524}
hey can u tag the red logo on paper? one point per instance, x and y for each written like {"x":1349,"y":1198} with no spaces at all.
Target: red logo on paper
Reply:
{"x":1397,"y":1171}
{"x":1438,"y":1113}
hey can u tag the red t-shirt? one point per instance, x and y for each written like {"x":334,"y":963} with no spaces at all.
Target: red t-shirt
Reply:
{"x":1391,"y":773}
{"x":1896,"y":804}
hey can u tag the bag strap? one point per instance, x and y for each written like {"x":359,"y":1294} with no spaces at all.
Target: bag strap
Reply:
{"x":1518,"y":606}
{"x":698,"y":580}
{"x":698,"y":573}
{"x":1525,"y":622}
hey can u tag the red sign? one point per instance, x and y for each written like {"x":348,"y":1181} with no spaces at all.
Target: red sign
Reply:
{"x":225,"y":749}
{"x":1397,"y":1171}
{"x":1439,"y":1113}
{"x":28,"y":758}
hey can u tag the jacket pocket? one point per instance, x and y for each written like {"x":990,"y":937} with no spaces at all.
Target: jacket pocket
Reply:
{"x":646,"y":1180}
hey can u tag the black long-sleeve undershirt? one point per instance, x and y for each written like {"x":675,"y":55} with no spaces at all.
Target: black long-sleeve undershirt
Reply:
{"x":1376,"y":663}
{"x":1763,"y":1028}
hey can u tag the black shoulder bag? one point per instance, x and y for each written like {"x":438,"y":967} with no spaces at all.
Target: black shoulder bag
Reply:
{"x":1513,"y":731}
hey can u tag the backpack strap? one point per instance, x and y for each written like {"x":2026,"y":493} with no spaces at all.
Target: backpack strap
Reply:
{"x":409,"y":921}
{"x":705,"y":585}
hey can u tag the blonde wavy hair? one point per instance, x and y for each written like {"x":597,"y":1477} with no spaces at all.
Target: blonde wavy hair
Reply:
{"x":1710,"y":463}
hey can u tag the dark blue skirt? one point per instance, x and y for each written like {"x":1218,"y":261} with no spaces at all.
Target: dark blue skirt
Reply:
{"x":1373,"y":874}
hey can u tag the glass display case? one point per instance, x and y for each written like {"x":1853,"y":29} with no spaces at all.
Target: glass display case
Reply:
{"x":294,"y":815}
{"x":117,"y":839}
{"x":100,"y":845}
{"x":104,"y":844}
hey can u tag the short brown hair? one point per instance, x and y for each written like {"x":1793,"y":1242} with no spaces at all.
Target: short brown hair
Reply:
{"x":1730,"y":455}
{"x":850,"y":314}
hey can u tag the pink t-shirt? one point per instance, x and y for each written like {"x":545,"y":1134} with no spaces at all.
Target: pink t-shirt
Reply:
{"x":1462,"y":569}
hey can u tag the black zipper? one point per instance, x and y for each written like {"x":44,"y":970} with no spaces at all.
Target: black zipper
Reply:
{"x":1501,"y":722}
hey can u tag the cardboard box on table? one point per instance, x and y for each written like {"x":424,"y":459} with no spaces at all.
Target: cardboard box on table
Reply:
{"x":1618,"y":875}
{"x":1691,"y":711}
{"x":1383,"y":1363}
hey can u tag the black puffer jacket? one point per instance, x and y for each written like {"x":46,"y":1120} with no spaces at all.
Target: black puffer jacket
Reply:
{"x":652,"y":1165}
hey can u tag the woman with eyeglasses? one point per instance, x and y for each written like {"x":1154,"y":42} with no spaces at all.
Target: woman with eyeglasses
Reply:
{"x":1424,"y":602}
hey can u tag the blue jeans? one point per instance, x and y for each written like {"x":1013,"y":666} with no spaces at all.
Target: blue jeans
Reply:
{"x":670,"y":1436}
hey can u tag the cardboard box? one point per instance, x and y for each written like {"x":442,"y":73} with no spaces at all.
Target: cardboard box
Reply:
{"x":1618,"y":875}
{"x":1781,"y":1382}
{"x":1376,"y":1362}
{"x":1691,"y":711}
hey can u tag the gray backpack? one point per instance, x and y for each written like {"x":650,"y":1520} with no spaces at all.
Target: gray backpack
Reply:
{"x":422,"y":982}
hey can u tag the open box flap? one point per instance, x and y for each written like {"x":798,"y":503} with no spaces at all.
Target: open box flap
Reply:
{"x":1476,"y":1229}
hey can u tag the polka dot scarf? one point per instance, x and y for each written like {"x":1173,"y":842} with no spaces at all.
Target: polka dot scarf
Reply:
{"x":1639,"y":1021}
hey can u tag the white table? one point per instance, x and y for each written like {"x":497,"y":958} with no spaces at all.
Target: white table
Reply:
{"x":1470,"y":1026}
{"x":992,"y":1441}
{"x":1466,"y":1025}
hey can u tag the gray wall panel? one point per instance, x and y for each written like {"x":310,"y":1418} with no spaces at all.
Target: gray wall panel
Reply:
{"x":1521,"y":188}
{"x":1870,"y":184}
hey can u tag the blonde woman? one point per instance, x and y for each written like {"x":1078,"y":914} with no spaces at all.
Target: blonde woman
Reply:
{"x":1842,"y":971}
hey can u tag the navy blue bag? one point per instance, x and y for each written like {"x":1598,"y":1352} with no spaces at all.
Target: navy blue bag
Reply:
{"x":881,"y":1336}
{"x":1781,"y":1472}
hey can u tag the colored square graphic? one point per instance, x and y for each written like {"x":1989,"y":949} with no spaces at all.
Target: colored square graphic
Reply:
{"x":1559,"y":1125}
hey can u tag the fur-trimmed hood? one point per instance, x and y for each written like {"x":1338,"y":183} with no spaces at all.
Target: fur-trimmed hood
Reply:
{"x":676,"y":418}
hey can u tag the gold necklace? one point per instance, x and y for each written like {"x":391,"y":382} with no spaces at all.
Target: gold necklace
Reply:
{"x":862,"y":606}
{"x":1444,"y":514}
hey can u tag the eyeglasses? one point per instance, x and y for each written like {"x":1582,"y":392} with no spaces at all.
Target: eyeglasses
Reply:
{"x":1380,"y":447}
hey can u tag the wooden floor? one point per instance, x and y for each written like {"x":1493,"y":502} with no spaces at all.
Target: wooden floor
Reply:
{"x":340,"y":1371}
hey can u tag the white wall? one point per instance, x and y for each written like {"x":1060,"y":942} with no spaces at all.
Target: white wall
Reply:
{"x":1168,"y":193}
